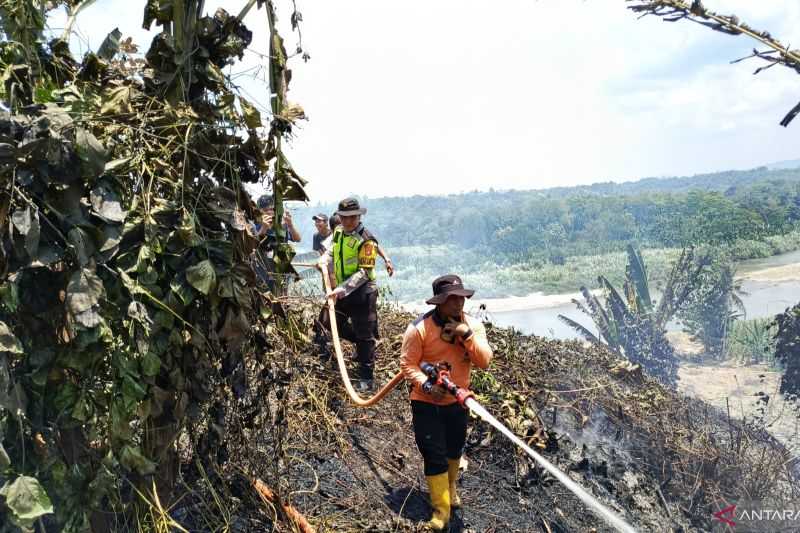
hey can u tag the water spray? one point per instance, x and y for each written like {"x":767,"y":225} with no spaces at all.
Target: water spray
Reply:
{"x":439,"y":374}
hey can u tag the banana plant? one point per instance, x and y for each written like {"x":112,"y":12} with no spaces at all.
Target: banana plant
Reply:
{"x":629,"y":322}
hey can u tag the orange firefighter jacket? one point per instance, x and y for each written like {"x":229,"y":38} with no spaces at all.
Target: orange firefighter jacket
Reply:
{"x":422,"y":342}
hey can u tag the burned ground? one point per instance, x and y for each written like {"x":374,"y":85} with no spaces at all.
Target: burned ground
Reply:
{"x":661,"y":460}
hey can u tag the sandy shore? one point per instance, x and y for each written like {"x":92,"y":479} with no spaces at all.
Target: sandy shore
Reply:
{"x":735,"y":389}
{"x":536,"y":300}
{"x":775,"y":274}
{"x":539,"y":300}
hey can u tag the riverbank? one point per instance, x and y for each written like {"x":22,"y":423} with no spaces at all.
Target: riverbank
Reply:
{"x":748,"y":393}
{"x":508,"y":285}
{"x":752,"y":278}
{"x":776,"y":274}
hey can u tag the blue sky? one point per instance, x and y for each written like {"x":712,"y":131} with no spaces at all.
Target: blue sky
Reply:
{"x":457,"y":95}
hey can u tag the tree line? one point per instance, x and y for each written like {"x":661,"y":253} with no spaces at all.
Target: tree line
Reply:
{"x":552,"y":224}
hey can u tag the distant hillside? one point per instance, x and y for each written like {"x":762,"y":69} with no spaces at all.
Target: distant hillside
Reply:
{"x":726,"y":181}
{"x":783,"y":165}
{"x":550,"y":224}
{"x":717,"y":181}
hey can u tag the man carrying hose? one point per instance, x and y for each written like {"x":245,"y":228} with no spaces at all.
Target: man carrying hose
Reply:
{"x":442,"y":335}
{"x":353,"y":254}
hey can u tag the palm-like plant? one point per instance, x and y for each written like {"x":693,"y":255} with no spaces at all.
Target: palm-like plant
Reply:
{"x":710,"y":312}
{"x":632,"y":325}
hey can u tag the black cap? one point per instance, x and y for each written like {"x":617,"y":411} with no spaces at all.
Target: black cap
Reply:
{"x":449,"y":285}
{"x":320,"y":216}
{"x":349,"y":207}
{"x":265,"y":201}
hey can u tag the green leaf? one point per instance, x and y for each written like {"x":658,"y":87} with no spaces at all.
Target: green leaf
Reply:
{"x":144,"y":258}
{"x":132,"y":391}
{"x":8,"y":341}
{"x":110,"y":45}
{"x":132,"y":458}
{"x":202,"y":276}
{"x":84,"y":291}
{"x":82,"y":410}
{"x":91,"y":152}
{"x":9,"y":295}
{"x":117,"y":101}
{"x":27,"y":500}
{"x":151,"y":364}
{"x":83,"y":244}
{"x":5,"y":460}
{"x":159,"y":11}
{"x":106,"y":203}
{"x":252,"y":116}
{"x":120,"y":427}
{"x":182,"y":290}
{"x":27,"y":224}
{"x":66,"y":396}
{"x":187,"y":232}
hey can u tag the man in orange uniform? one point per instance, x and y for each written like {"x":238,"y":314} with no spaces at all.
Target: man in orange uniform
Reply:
{"x":443,"y":334}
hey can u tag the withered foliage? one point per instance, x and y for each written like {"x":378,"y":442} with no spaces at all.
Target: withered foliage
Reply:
{"x":125,"y":243}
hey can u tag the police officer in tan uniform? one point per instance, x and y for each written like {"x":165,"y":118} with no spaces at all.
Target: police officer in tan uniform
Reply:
{"x":353,"y":254}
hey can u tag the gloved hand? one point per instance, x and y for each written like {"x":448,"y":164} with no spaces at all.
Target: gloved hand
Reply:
{"x":457,"y":329}
{"x":336,"y":293}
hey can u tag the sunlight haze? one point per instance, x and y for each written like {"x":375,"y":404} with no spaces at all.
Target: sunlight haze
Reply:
{"x":452,"y":96}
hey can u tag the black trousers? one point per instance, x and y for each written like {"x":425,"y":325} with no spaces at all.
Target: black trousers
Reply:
{"x":357,"y":322}
{"x":440,"y":433}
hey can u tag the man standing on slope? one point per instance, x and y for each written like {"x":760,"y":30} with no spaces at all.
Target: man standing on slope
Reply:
{"x":442,"y":335}
{"x":353,"y":253}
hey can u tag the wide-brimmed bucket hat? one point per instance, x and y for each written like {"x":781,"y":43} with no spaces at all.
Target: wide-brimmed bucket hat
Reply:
{"x":349,"y":207}
{"x":449,"y":285}
{"x":265,"y":201}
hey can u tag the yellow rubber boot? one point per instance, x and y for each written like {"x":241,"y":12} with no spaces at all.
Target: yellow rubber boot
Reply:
{"x":439,"y":487}
{"x":452,"y":477}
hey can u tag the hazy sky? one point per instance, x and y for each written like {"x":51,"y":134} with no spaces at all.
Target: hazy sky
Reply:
{"x":444,"y":96}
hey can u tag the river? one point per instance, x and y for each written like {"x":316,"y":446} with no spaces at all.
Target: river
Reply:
{"x":770,"y":285}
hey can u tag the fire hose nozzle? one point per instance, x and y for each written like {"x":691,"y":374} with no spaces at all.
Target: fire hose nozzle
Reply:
{"x":439,"y":374}
{"x":462,"y":395}
{"x":431,"y":370}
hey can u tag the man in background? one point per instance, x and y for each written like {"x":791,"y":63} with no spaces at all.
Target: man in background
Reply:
{"x":327,"y":244}
{"x":268,"y":240}
{"x":323,"y":232}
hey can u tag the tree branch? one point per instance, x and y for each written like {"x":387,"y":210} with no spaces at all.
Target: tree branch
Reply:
{"x":73,"y":15}
{"x":674,"y":10}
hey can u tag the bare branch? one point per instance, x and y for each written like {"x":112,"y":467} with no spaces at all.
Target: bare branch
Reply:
{"x":72,"y":13}
{"x":675,"y":10}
